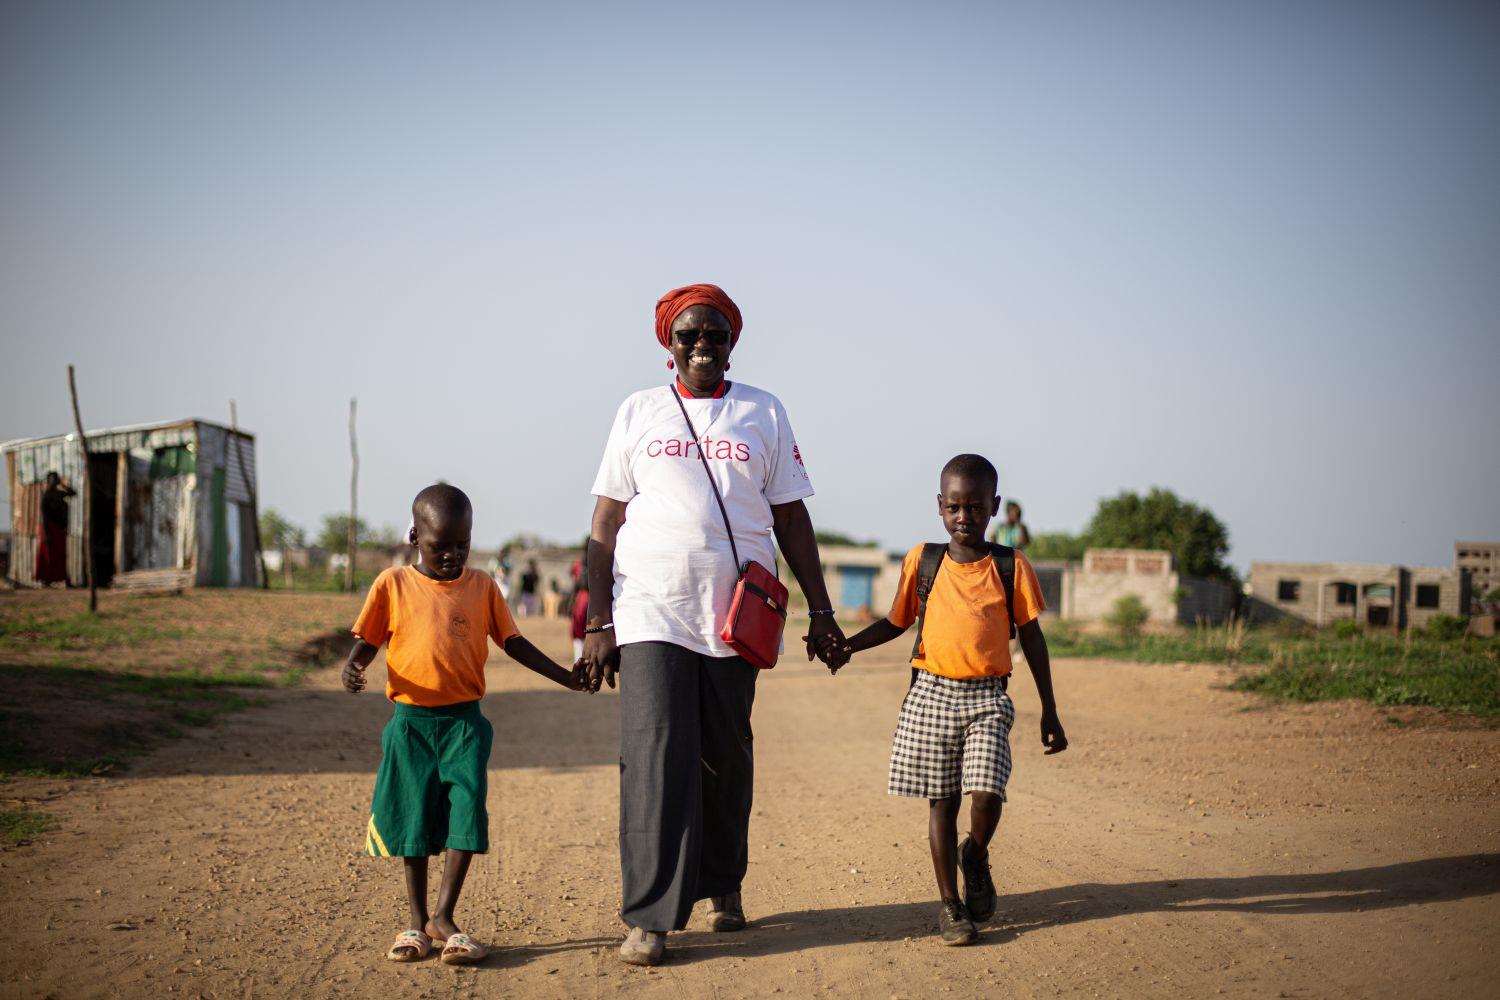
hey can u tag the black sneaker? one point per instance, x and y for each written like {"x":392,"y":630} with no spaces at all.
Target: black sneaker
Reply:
{"x":979,"y":888}
{"x":954,"y":924}
{"x":726,"y":913}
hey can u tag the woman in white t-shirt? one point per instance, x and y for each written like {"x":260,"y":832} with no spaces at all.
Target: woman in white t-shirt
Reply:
{"x":661,"y":574}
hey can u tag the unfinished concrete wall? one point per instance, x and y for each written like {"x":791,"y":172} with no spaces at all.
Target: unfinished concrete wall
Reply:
{"x":1482,"y":560}
{"x":1109,"y":574}
{"x":1374,"y":596}
{"x":1324,"y":593}
{"x":1448,"y":588}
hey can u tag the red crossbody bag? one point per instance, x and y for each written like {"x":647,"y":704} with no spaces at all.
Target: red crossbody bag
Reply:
{"x":757,"y":611}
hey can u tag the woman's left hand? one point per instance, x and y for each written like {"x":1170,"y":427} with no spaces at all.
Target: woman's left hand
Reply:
{"x":823,"y":635}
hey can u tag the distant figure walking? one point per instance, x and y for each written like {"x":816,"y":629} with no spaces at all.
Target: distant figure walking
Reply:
{"x":52,"y":534}
{"x":529,"y":580}
{"x":1012,"y":531}
{"x":578,"y":615}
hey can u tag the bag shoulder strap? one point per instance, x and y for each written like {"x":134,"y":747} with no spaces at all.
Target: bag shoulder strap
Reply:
{"x":1005,"y":562}
{"x":739,"y":570}
{"x":927,"y":570}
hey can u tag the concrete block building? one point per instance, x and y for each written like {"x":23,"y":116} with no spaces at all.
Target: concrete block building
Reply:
{"x":1373,"y":595}
{"x":861,"y":580}
{"x":1482,"y":560}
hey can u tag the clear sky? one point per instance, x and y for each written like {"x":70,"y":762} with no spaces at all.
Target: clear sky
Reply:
{"x":1249,"y":251}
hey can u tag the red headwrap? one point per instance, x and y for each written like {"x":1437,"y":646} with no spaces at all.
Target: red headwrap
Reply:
{"x":679,"y":300}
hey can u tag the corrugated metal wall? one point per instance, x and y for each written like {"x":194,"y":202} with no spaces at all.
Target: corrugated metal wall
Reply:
{"x":27,"y":467}
{"x":236,"y":489}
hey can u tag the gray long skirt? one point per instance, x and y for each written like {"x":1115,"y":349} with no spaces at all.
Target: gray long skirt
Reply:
{"x":687,"y":767}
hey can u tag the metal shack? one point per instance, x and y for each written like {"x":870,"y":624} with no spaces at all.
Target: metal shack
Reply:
{"x":168,"y":501}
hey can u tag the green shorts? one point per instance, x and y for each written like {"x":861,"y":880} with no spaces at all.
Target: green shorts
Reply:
{"x":429,"y":794}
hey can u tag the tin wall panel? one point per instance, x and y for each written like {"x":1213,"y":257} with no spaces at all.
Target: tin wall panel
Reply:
{"x":236,"y":489}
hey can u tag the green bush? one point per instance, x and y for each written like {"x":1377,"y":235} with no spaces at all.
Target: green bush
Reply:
{"x":1128,"y":615}
{"x":1445,"y":628}
{"x":1056,"y":546}
{"x":1346,"y":629}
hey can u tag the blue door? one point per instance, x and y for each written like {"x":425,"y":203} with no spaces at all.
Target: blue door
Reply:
{"x":858,"y":586}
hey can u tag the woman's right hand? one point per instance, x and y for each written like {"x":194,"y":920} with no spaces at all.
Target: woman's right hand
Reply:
{"x":603,"y":656}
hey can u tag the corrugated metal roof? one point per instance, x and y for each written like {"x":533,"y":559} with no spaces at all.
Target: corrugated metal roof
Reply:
{"x":128,"y":429}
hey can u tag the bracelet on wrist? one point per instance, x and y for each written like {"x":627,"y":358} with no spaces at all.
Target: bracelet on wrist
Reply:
{"x":824,"y":611}
{"x":595,"y":630}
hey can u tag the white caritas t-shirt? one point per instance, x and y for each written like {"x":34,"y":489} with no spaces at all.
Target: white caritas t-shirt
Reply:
{"x":674,"y":572}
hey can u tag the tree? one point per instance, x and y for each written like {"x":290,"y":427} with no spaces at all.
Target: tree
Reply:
{"x":385,"y":537}
{"x":334,"y":535}
{"x":1197,"y":539}
{"x":276,"y":532}
{"x":1058,"y":546}
{"x":839,"y":538}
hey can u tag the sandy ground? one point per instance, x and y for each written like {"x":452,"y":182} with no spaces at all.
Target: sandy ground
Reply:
{"x":1191,"y":842}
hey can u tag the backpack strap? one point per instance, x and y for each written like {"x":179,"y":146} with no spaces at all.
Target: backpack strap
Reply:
{"x":1005,"y":562}
{"x":927,"y":569}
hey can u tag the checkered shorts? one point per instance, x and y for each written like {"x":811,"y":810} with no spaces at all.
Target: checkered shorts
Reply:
{"x":953,"y":734}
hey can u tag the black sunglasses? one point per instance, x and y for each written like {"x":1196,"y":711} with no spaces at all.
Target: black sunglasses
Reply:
{"x":687,"y":338}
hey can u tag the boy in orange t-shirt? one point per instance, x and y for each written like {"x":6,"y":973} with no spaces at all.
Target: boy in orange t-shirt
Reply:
{"x":438,"y":618}
{"x":953,"y":733}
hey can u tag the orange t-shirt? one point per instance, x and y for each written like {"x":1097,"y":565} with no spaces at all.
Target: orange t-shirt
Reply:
{"x":966,"y":633}
{"x":437,"y":631}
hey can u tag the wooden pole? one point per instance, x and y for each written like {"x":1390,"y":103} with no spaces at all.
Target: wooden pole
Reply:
{"x":88,"y":496}
{"x":239,"y":451}
{"x":353,"y":500}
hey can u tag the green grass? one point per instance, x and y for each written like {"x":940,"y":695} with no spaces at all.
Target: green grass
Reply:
{"x":83,"y":631}
{"x":315,"y":580}
{"x":1460,"y":675}
{"x":19,"y":827}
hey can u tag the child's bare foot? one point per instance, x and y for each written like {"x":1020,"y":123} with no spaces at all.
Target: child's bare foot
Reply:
{"x":410,"y":946}
{"x":441,"y":929}
{"x":458,"y":947}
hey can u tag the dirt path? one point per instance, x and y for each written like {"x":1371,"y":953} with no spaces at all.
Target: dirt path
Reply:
{"x":1192,"y":841}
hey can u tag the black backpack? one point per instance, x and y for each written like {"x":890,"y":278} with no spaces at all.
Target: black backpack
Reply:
{"x":927,"y":569}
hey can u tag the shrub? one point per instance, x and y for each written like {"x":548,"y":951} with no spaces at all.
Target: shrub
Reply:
{"x":1346,"y":629}
{"x":1446,"y":627}
{"x":1128,"y":615}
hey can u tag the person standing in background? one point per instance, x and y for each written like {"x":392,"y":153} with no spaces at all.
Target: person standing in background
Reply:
{"x":578,"y":615}
{"x":1012,"y":531}
{"x":52,"y":533}
{"x":529,"y":580}
{"x":552,"y":601}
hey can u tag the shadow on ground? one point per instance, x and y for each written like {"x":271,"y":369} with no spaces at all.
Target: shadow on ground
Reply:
{"x":105,"y":723}
{"x":335,"y":732}
{"x":1408,"y":882}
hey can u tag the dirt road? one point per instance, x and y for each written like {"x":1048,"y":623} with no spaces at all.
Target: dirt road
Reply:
{"x":1192,"y":842}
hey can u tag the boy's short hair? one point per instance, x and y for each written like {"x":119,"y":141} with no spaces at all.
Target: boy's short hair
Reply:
{"x":439,"y":502}
{"x":971,"y":467}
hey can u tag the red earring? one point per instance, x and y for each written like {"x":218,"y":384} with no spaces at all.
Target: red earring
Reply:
{"x":727,"y":366}
{"x":670,"y":364}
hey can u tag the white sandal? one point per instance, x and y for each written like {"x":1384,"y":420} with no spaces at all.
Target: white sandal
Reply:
{"x":461,"y":949}
{"x":410,"y":946}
